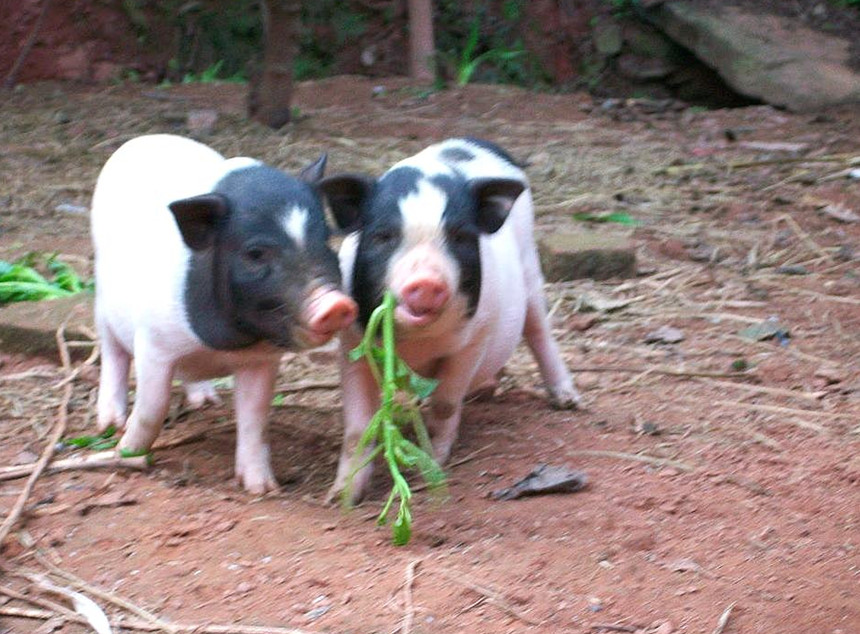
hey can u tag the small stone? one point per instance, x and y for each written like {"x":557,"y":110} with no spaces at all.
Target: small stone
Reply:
{"x":665,"y":627}
{"x":201,"y":121}
{"x":68,"y":208}
{"x":665,"y":334}
{"x":830,"y":375}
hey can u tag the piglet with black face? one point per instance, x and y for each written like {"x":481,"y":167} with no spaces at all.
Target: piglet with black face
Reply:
{"x":207,"y":267}
{"x":449,"y":232}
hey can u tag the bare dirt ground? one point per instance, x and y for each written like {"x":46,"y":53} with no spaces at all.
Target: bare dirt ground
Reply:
{"x":717,"y":501}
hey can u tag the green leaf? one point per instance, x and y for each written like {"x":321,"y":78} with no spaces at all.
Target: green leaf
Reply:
{"x":134,"y":453}
{"x":618,"y":217}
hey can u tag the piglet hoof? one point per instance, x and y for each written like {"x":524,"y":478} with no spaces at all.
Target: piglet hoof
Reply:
{"x":199,"y":394}
{"x":351,"y":495}
{"x":565,"y":397}
{"x":256,"y":479}
{"x":108,"y":419}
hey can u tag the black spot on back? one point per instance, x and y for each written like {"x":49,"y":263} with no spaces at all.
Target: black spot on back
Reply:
{"x":491,"y":147}
{"x":456,"y":155}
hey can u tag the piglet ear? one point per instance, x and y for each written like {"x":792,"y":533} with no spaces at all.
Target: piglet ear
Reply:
{"x":199,"y":218}
{"x":494,"y":197}
{"x":313,"y":173}
{"x":346,"y":195}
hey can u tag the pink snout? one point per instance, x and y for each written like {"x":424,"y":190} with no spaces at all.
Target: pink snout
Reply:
{"x":423,"y":295}
{"x":329,"y":311}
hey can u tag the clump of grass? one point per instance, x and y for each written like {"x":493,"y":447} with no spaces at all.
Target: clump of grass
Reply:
{"x":402,"y":391}
{"x":21,"y":281}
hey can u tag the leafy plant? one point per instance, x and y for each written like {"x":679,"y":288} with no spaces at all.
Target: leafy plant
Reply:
{"x":469,"y":62}
{"x":386,"y":427}
{"x":20,"y":281}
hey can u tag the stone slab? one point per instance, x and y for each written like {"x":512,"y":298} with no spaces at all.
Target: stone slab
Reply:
{"x":587,"y":254}
{"x":29,"y":328}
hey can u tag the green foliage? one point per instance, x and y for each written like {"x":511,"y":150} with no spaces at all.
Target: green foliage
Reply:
{"x":105,"y":440}
{"x":387,"y":425}
{"x":474,"y":42}
{"x":327,"y":25}
{"x":21,"y":281}
{"x":622,"y":8}
{"x":617,"y":217}
{"x":469,"y":62}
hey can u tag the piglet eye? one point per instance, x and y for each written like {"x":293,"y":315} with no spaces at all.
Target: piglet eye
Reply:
{"x":255,"y":255}
{"x":460,"y":235}
{"x":383,"y":237}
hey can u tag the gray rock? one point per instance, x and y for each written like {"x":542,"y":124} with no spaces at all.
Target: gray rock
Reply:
{"x":607,"y":38}
{"x":766,"y":57}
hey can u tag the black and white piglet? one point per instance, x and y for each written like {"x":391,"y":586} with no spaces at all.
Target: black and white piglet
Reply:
{"x":449,"y":231}
{"x":206,"y":267}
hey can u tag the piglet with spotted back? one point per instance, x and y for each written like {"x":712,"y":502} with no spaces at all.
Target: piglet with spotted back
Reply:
{"x":449,"y":232}
{"x":207,"y":267}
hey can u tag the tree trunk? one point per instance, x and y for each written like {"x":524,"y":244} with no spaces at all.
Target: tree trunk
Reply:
{"x":271,"y":91}
{"x":422,"y":47}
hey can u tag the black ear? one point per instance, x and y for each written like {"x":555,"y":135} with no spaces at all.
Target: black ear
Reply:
{"x":346,"y":195}
{"x":494,"y":197}
{"x":313,"y":173}
{"x":199,"y":217}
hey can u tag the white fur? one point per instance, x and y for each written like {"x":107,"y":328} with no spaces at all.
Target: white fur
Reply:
{"x":295,"y":224}
{"x":141,"y":262}
{"x":462,"y":354}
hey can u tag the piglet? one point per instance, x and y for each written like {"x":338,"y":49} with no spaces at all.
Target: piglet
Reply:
{"x":206,"y":267}
{"x":449,"y":232}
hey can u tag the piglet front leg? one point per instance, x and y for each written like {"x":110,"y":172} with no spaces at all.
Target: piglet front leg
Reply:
{"x":254,"y":388}
{"x":154,"y":373}
{"x":360,"y":402}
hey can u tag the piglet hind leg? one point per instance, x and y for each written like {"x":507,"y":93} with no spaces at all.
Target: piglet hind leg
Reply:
{"x":255,"y":387}
{"x":538,"y":335}
{"x":198,"y":394}
{"x":113,"y":382}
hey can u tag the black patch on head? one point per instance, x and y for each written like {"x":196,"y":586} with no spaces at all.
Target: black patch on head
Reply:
{"x":462,"y":236}
{"x":249,"y":284}
{"x":381,"y":235}
{"x":456,"y":155}
{"x":491,"y":147}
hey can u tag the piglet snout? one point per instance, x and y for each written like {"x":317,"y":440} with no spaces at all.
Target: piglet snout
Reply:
{"x":328,"y":311}
{"x":424,"y":295}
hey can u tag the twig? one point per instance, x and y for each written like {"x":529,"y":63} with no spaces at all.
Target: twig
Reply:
{"x":724,"y":619}
{"x":661,"y":462}
{"x":35,"y":373}
{"x":101,"y":594}
{"x":778,"y":409}
{"x":662,"y":370}
{"x":99,"y":460}
{"x":47,"y":454}
{"x":144,"y":626}
{"x":812,"y":244}
{"x":491,"y":595}
{"x":409,"y":608}
{"x":9,"y":82}
{"x":43,"y":603}
{"x":776,"y":391}
{"x":309,"y":385}
{"x":613,"y":627}
{"x":830,"y":298}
